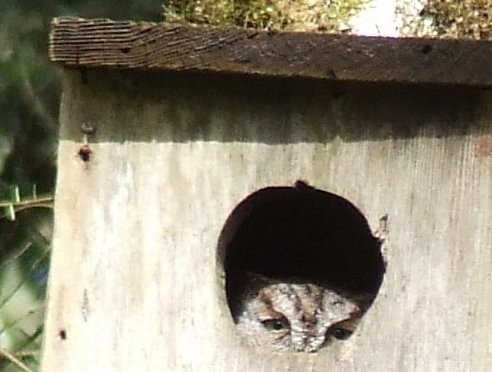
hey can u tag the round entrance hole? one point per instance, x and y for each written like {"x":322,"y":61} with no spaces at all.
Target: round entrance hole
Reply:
{"x":298,"y":235}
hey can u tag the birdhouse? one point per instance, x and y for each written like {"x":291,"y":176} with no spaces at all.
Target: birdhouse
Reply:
{"x":353,"y":175}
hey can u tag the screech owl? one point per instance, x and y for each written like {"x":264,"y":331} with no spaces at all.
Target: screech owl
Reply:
{"x":295,"y":316}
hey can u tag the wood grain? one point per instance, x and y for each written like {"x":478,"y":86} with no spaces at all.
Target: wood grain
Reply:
{"x":136,"y":280}
{"x":81,"y":43}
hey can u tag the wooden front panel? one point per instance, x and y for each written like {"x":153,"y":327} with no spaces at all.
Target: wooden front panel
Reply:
{"x":136,"y":282}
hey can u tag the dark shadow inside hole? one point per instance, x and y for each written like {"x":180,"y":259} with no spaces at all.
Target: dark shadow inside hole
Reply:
{"x":426,"y":49}
{"x":300,"y":232}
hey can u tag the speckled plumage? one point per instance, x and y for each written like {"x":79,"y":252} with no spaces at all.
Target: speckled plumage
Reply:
{"x":294,"y":315}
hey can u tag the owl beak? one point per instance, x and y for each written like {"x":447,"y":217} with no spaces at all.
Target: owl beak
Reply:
{"x":306,"y":343}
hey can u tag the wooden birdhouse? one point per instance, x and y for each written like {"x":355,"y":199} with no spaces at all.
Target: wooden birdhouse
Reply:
{"x":191,"y":157}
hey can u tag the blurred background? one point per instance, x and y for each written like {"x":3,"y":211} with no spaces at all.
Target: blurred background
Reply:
{"x":30,"y":93}
{"x":29,"y":99}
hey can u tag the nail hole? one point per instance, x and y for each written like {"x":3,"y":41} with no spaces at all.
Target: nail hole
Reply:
{"x":62,"y":334}
{"x":85,"y":153}
{"x":88,"y":127}
{"x":426,"y":49}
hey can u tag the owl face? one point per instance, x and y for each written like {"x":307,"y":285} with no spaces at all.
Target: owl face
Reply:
{"x":297,"y":317}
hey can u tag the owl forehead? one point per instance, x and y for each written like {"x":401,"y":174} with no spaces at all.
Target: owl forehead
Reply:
{"x":307,"y":303}
{"x":294,"y":300}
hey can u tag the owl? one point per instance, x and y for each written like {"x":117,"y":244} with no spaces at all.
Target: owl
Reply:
{"x":295,"y":316}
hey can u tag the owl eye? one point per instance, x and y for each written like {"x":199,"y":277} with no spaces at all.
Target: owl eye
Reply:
{"x":280,"y":324}
{"x":341,"y":333}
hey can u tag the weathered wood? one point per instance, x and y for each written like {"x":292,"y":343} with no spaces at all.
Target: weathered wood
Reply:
{"x":77,"y":42}
{"x":136,"y":282}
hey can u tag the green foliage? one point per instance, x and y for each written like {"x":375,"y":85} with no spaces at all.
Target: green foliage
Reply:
{"x":462,"y":19}
{"x":29,"y":91}
{"x":29,"y":99}
{"x":24,"y":264}
{"x":289,"y":15}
